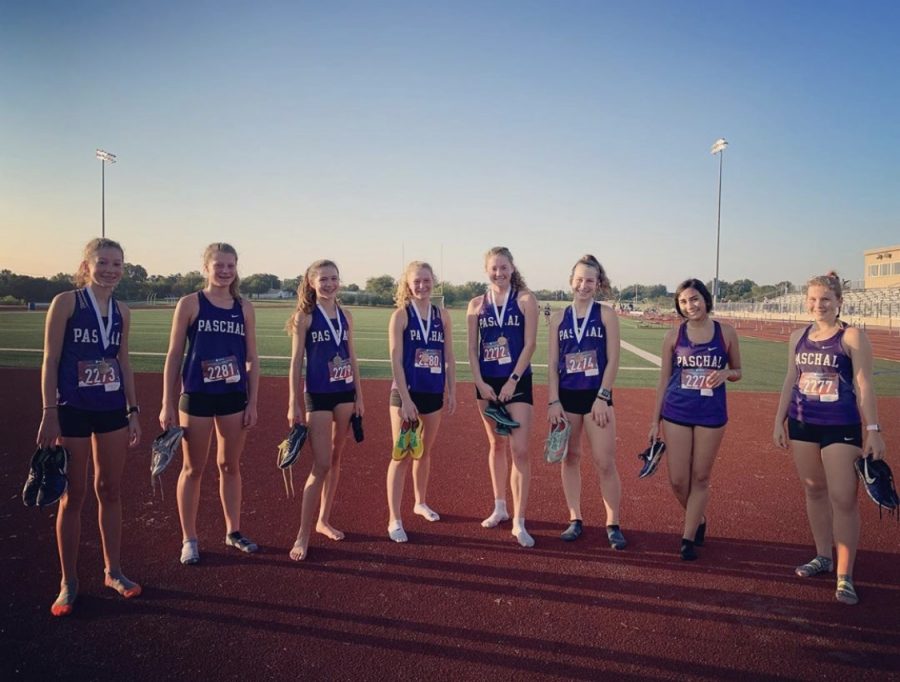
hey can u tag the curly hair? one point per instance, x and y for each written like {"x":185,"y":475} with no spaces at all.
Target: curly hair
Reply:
{"x":82,"y":276}
{"x":404,"y":293}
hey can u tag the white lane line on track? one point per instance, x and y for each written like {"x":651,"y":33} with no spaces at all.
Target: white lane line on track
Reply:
{"x":649,"y":357}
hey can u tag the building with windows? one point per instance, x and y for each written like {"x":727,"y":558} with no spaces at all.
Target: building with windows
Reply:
{"x":882,"y":267}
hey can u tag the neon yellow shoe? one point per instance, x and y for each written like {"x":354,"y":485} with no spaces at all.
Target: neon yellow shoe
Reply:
{"x":416,"y":442}
{"x":402,"y":446}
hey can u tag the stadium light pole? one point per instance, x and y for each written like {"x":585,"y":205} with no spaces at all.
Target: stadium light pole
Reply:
{"x":718,"y":148}
{"x":105,"y":158}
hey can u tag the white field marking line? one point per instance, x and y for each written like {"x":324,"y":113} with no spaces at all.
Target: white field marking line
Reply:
{"x":649,"y":357}
{"x":377,"y":361}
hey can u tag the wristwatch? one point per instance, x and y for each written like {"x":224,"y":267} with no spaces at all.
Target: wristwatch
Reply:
{"x":605,"y":395}
{"x":134,"y":409}
{"x":873,"y":427}
{"x":515,"y":377}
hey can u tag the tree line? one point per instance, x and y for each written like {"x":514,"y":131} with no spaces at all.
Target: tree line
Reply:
{"x":138,"y":285}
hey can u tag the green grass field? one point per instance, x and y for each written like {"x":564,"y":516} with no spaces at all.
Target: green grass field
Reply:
{"x":21,"y":337}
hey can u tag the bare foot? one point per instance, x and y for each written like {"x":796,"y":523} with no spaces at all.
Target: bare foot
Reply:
{"x":329,"y":531}
{"x":298,"y":551}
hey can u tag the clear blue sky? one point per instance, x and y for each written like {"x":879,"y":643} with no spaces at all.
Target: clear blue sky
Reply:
{"x":367,"y":132}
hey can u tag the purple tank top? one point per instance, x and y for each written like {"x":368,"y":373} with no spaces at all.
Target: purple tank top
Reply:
{"x":328,"y":368}
{"x":687,"y":399}
{"x":89,"y":375}
{"x":217,"y":350}
{"x":823,"y":393}
{"x":423,"y":359}
{"x":582,"y":363}
{"x":500,"y":344}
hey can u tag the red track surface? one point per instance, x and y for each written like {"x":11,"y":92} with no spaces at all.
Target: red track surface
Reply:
{"x":458,"y":601}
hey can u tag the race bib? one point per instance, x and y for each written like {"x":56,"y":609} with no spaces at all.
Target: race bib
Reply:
{"x":698,"y":379}
{"x":221,"y":369}
{"x":99,"y":373}
{"x":495,"y":351}
{"x":584,"y":362}
{"x":821,"y":386}
{"x":339,"y":369}
{"x":430,"y":359}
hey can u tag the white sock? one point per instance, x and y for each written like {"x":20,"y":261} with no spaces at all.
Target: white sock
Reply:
{"x":519,"y":532}
{"x":427,"y":512}
{"x":498,"y":516}
{"x":396,"y":532}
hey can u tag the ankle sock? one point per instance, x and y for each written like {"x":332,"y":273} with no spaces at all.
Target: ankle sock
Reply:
{"x":522,"y":535}
{"x":65,"y":602}
{"x":427,"y":512}
{"x":499,"y":515}
{"x":118,"y":582}
{"x":396,"y":532}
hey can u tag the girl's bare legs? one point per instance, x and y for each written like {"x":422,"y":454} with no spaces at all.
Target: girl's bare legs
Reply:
{"x":68,"y":522}
{"x":230,"y":436}
{"x":320,"y":441}
{"x":110,"y":451}
{"x":603,"y":453}
{"x":342,"y":414}
{"x":499,"y":468}
{"x":520,"y":478}
{"x":421,"y":468}
{"x":195,"y":447}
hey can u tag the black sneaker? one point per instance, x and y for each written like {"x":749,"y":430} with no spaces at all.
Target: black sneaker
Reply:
{"x":35,"y":474}
{"x":54,"y":482}
{"x":651,"y":457}
{"x":573,"y":532}
{"x":879,"y":483}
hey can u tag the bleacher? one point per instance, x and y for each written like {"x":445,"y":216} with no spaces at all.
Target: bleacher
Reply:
{"x":858,"y":302}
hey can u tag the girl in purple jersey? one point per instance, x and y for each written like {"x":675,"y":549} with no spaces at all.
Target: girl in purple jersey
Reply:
{"x":828,"y":383}
{"x":583,"y":360}
{"x":423,"y":365}
{"x":218,"y":391}
{"x":322,"y":331}
{"x":698,"y":357}
{"x":502,"y":326}
{"x":90,"y":409}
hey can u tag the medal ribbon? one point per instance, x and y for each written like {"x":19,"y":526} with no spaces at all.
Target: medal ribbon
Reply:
{"x":107,"y":330}
{"x":499,"y":313}
{"x":579,"y":333}
{"x":426,"y":328}
{"x":336,"y":335}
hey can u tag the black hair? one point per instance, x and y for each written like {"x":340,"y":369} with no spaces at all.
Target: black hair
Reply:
{"x":700,"y":287}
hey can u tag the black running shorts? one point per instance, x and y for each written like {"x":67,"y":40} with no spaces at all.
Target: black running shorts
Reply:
{"x":426,"y":403}
{"x":578,"y":401}
{"x":326,"y":402}
{"x":212,"y":404}
{"x":523,"y":389}
{"x":77,"y":423}
{"x":845,"y":434}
